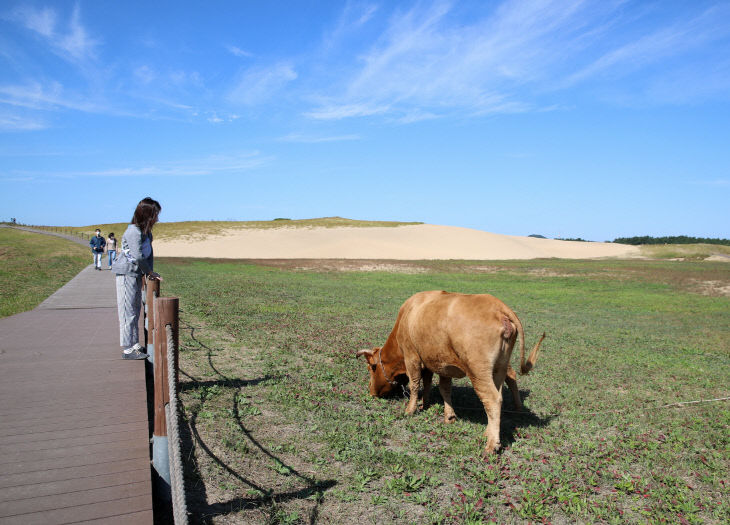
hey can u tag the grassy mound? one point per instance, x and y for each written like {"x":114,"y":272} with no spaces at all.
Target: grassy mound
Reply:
{"x":197,"y":229}
{"x":33,"y":266}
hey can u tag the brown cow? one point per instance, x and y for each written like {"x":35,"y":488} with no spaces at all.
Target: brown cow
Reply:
{"x":453,"y":335}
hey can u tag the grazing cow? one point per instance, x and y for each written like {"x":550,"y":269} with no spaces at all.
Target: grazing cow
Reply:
{"x":453,"y":335}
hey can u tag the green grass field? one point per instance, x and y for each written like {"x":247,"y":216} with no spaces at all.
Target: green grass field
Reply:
{"x":280,"y":427}
{"x":33,"y":266}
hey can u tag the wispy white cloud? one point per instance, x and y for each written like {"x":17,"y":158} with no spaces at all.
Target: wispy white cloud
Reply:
{"x":335,"y":111}
{"x":233,"y":164}
{"x":424,"y":63}
{"x":42,"y":21}
{"x":70,"y":41}
{"x":44,"y":97}
{"x":258,"y":84}
{"x":353,"y":16}
{"x":237,"y":51}
{"x":145,"y":74}
{"x":21,"y":123}
{"x":681,"y":37}
{"x":76,"y":42}
{"x":312,"y":139}
{"x":212,"y":165}
{"x":432,"y":60}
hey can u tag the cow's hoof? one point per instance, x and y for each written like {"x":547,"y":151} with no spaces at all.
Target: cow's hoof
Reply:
{"x":449,"y":419}
{"x":491,"y":448}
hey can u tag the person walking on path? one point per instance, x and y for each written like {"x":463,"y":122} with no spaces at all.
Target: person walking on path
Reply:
{"x":97,"y":244}
{"x":111,"y":248}
{"x":135,"y":260}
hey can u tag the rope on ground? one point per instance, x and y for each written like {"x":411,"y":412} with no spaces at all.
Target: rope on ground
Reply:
{"x":177,"y":484}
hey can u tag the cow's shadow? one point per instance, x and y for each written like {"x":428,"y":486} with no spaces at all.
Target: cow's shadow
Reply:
{"x":468,"y":407}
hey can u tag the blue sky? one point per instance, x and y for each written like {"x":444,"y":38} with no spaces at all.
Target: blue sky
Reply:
{"x":593,"y":119}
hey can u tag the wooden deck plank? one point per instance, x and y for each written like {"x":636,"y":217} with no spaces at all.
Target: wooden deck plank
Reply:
{"x":74,"y":433}
{"x":104,"y":509}
{"x":10,"y":450}
{"x":123,"y":519}
{"x":51,"y":453}
{"x":68,"y":473}
{"x":52,"y":424}
{"x":35,"y":504}
{"x":65,"y":486}
{"x":80,"y":458}
{"x":52,"y":435}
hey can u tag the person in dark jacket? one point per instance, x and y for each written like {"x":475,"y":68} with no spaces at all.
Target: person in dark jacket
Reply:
{"x":135,"y":259}
{"x":97,"y":244}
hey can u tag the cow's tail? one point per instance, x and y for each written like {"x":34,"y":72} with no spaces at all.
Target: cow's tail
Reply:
{"x":525,"y":367}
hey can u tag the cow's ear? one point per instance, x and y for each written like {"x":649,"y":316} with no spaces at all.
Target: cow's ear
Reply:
{"x":368,"y":353}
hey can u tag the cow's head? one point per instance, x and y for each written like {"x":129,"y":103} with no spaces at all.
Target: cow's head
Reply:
{"x":384,"y":377}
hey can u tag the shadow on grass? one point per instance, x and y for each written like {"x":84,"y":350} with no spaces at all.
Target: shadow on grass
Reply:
{"x":469,"y":408}
{"x":260,"y":496}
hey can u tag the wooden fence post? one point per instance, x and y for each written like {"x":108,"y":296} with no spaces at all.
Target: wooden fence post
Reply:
{"x":152,"y":288}
{"x":166,"y":313}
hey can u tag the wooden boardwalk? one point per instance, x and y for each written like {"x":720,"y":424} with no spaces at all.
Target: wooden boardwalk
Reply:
{"x":74,"y":433}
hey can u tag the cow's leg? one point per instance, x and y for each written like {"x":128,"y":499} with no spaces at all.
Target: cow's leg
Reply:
{"x":413,"y":369}
{"x":427,"y":382}
{"x":511,"y":380}
{"x":445,"y":388}
{"x":491,"y":398}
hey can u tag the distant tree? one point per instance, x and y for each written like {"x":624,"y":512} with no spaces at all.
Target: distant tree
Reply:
{"x":578,"y":239}
{"x":679,"y":239}
{"x":536,"y":236}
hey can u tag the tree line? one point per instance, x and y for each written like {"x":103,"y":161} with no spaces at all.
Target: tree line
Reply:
{"x":679,"y":239}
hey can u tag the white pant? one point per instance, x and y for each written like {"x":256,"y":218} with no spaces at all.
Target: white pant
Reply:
{"x":129,"y":304}
{"x":97,"y":259}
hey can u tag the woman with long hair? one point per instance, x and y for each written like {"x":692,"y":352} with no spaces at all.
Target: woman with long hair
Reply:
{"x":135,"y":260}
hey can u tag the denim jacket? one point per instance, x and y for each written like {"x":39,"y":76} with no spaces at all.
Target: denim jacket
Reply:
{"x":136,"y":256}
{"x":97,"y":244}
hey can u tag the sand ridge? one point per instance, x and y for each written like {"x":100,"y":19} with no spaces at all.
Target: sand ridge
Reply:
{"x":412,"y":242}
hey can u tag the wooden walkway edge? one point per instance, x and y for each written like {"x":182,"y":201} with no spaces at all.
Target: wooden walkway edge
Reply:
{"x":74,"y":431}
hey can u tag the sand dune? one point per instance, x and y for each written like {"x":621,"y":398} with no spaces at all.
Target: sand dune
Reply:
{"x":413,"y":242}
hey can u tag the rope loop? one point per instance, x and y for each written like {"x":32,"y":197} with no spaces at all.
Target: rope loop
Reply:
{"x":177,"y":483}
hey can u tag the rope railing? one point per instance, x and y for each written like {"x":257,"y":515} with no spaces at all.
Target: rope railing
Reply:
{"x":177,"y":483}
{"x":161,"y":315}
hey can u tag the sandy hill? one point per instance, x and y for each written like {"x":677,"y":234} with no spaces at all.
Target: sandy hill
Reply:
{"x":404,"y":241}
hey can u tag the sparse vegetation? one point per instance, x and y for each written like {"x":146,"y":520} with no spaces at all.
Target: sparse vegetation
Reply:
{"x":685,"y":251}
{"x":200,"y":229}
{"x":281,"y":428}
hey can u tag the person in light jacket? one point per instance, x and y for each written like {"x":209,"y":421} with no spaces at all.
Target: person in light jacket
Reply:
{"x":97,"y":244}
{"x":135,"y":260}
{"x":111,"y":248}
